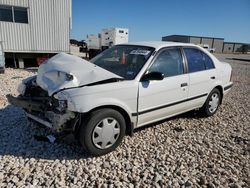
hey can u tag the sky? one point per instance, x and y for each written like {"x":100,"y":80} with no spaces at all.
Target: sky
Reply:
{"x":149,"y":20}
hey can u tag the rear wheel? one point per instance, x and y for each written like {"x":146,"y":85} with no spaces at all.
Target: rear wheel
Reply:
{"x":212,"y":103}
{"x":102,"y":132}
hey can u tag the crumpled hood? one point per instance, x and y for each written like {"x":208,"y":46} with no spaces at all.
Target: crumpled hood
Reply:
{"x":65,"y":71}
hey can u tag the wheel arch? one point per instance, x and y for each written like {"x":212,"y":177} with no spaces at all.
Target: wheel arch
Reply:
{"x":124,"y":113}
{"x":220,"y":88}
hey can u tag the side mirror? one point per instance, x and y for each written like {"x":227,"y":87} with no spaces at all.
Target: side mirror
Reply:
{"x":152,"y":76}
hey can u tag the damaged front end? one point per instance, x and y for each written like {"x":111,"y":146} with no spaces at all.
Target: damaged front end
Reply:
{"x":44,"y":98}
{"x":42,"y":108}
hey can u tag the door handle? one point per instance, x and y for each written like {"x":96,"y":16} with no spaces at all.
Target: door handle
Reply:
{"x":212,"y":77}
{"x":184,"y":84}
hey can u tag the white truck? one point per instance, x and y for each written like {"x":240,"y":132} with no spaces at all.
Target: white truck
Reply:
{"x":206,"y":46}
{"x":2,"y":59}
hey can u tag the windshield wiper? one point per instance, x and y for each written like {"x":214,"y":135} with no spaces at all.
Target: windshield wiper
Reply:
{"x":110,"y":80}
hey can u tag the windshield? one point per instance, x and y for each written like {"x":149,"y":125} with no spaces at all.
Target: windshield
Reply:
{"x":123,"y":60}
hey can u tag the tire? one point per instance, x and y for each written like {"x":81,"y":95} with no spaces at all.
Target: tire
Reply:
{"x":102,"y":132}
{"x":2,"y":71}
{"x":212,"y":103}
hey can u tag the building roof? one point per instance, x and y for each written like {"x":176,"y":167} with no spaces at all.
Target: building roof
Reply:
{"x":159,"y":44}
{"x":194,"y":36}
{"x":236,"y":43}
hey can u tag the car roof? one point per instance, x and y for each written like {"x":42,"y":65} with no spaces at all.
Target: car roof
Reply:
{"x":159,"y":44}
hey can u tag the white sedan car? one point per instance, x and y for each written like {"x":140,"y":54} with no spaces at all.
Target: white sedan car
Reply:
{"x":121,"y":89}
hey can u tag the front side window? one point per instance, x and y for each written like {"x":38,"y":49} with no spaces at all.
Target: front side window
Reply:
{"x":6,"y":13}
{"x":197,"y":60}
{"x":20,"y":15}
{"x":169,"y":62}
{"x":124,"y":60}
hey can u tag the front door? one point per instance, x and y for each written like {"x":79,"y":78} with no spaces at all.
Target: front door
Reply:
{"x":159,"y":99}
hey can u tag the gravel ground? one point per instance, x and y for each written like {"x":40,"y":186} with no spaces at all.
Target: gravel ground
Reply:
{"x":186,"y":151}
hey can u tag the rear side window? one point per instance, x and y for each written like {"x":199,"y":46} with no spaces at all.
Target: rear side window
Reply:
{"x":197,"y":60}
{"x":169,"y":62}
{"x":208,"y":61}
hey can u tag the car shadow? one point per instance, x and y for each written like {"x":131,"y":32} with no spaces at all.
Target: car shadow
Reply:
{"x":17,"y":137}
{"x":188,"y":115}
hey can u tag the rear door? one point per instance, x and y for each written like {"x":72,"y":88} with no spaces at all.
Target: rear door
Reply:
{"x":202,"y":75}
{"x":162,"y":98}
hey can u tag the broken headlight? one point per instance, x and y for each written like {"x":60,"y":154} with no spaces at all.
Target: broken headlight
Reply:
{"x":62,"y":105}
{"x":63,"y":102}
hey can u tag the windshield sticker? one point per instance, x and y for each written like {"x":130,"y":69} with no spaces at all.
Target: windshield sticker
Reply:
{"x":130,"y":73}
{"x":140,"y":52}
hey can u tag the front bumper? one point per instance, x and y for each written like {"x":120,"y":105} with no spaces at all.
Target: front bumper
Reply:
{"x":40,"y":120}
{"x":27,"y":103}
{"x":40,"y":110}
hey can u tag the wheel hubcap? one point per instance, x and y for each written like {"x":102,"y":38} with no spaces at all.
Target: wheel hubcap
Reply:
{"x":105,"y":133}
{"x":213,"y":102}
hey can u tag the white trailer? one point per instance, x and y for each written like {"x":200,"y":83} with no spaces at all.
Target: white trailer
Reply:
{"x":94,"y":42}
{"x":114,"y":36}
{"x":107,"y":38}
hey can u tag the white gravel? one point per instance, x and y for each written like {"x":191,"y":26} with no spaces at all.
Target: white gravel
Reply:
{"x":186,"y":151}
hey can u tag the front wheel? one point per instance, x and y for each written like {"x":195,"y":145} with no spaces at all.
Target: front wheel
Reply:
{"x":212,"y":103}
{"x":102,"y":132}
